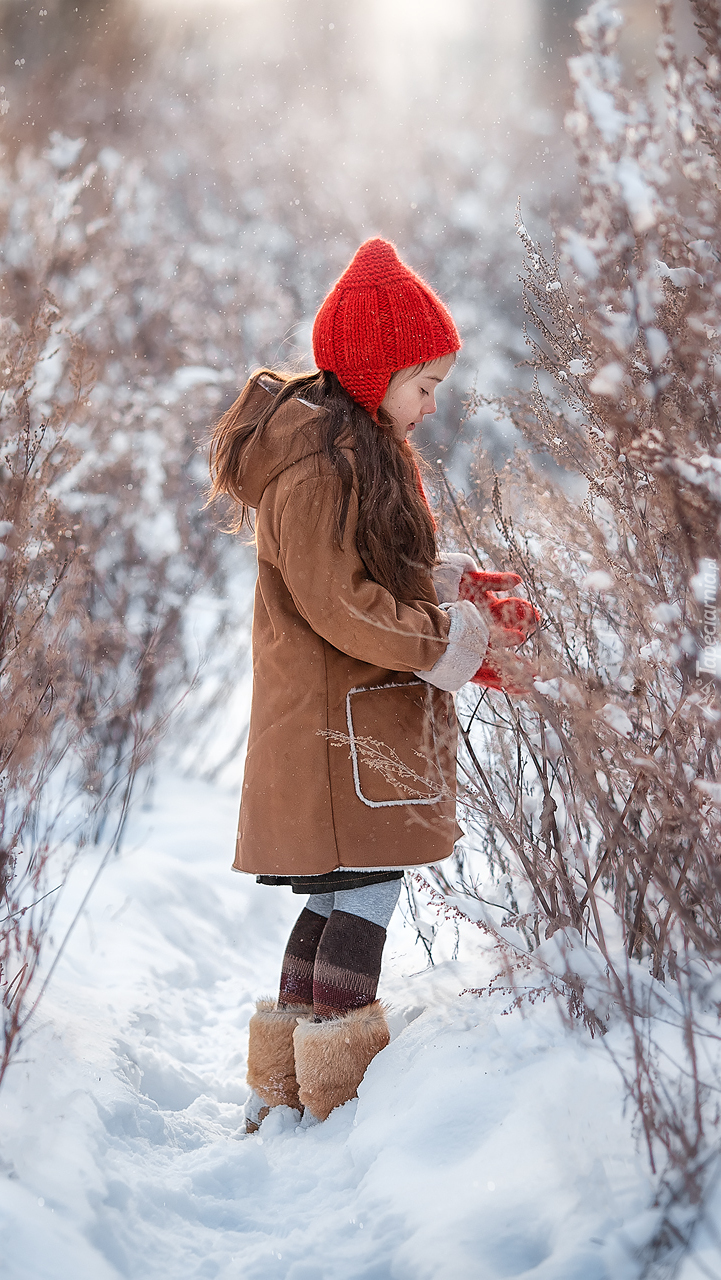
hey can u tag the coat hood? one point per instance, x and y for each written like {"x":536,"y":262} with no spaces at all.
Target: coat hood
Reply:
{"x":289,"y":436}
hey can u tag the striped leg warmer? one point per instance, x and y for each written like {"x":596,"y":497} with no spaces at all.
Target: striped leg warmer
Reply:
{"x":296,"y":980}
{"x":347,"y":964}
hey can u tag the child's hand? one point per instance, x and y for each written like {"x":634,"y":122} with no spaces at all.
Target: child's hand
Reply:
{"x":476,"y":583}
{"x":513,"y":619}
{"x":494,"y":677}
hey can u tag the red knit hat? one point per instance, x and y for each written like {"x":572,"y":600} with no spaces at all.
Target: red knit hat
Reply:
{"x":378,"y":318}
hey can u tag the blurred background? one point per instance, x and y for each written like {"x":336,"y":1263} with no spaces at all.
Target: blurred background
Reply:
{"x":244,"y":149}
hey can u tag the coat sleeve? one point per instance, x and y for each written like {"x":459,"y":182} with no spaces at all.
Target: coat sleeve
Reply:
{"x":331,"y":589}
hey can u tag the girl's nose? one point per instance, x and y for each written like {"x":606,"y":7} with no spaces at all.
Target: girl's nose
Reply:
{"x":430,"y":408}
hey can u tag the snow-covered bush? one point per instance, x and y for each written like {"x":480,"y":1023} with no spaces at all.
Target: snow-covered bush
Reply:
{"x":105,"y":546}
{"x":61,"y":688}
{"x":595,"y":798}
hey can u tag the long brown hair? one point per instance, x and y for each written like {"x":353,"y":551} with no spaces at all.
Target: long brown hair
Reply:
{"x":395,"y":534}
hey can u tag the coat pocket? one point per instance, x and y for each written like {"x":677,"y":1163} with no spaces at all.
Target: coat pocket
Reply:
{"x":395,"y":750}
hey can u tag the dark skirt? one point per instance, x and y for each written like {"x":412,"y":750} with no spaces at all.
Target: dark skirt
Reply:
{"x":333,"y":881}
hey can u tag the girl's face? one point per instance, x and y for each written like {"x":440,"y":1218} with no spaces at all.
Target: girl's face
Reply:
{"x":411,"y":394}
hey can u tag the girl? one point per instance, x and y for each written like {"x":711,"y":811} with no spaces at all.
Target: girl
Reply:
{"x":359,"y":640}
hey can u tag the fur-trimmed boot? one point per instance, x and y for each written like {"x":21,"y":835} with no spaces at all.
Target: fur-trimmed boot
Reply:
{"x":271,"y":1064}
{"x":332,"y":1056}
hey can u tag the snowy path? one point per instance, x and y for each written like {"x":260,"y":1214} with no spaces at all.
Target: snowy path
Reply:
{"x":481,"y":1146}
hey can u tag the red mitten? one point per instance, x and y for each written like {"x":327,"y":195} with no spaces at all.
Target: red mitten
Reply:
{"x":516,"y":616}
{"x":490,"y":676}
{"x":513,"y":613}
{"x":475,"y":584}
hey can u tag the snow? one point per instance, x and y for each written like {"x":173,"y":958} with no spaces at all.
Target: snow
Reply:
{"x":712,"y":790}
{"x":64,"y":152}
{"x":666,"y":612}
{"x":616,"y":718}
{"x":608,"y":381}
{"x":657,"y":343}
{"x":485,"y":1141}
{"x":704,"y":584}
{"x":681,"y":277}
{"x":199,"y":375}
{"x":639,"y":195}
{"x":599,"y":103}
{"x":598,"y":580}
{"x":703,"y":471}
{"x":582,"y":254}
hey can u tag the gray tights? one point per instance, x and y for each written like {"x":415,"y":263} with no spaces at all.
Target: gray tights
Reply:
{"x":374,"y":902}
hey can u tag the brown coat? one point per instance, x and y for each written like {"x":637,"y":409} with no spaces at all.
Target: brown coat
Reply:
{"x":351,"y":758}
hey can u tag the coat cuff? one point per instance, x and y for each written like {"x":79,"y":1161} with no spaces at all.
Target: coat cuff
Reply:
{"x":447,"y":575}
{"x":467,"y":643}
